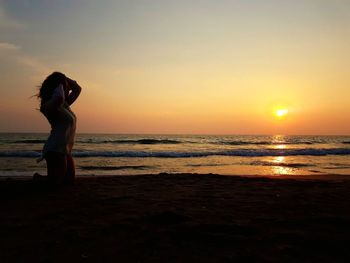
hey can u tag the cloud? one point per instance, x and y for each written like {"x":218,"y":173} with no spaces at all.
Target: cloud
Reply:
{"x":4,"y":46}
{"x":12,"y":54}
{"x":33,"y":63}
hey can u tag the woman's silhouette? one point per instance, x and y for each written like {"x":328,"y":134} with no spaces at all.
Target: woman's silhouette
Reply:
{"x":57,"y":93}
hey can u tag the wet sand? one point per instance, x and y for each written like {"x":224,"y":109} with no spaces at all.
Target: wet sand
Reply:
{"x":176,"y":218}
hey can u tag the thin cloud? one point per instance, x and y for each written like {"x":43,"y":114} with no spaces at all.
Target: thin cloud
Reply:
{"x":12,"y":53}
{"x":33,"y":63}
{"x":5,"y":46}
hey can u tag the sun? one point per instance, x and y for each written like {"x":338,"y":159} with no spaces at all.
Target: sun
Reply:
{"x":281,"y":112}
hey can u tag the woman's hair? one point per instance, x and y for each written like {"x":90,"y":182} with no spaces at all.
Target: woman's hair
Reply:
{"x":48,"y":86}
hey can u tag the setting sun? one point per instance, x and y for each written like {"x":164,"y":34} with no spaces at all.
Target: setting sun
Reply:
{"x":281,"y":112}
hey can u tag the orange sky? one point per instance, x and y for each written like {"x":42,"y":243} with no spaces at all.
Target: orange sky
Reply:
{"x":215,"y":67}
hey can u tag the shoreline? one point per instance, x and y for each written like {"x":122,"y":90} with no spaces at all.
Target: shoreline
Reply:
{"x":324,"y":177}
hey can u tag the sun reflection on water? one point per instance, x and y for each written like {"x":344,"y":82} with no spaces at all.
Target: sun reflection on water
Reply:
{"x":280,"y":168}
{"x":280,"y":146}
{"x":278,"y":159}
{"x":279,"y":142}
{"x":278,"y":139}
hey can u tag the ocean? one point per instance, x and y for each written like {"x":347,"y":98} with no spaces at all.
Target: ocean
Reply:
{"x":107,"y":154}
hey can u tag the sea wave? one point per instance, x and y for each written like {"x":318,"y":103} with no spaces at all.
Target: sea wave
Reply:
{"x":255,"y":163}
{"x":284,"y":164}
{"x":144,"y":141}
{"x":171,"y":141}
{"x":29,"y":141}
{"x":113,"y":168}
{"x":92,"y":141}
{"x":176,"y":154}
{"x":264,"y":143}
{"x":23,"y":154}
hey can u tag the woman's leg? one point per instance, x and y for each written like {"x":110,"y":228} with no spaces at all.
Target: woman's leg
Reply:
{"x":56,"y":167}
{"x":70,"y":175}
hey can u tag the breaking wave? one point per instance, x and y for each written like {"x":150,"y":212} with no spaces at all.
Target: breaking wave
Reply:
{"x":175,"y":154}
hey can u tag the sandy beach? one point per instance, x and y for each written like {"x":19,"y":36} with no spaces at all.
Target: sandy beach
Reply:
{"x":176,"y":218}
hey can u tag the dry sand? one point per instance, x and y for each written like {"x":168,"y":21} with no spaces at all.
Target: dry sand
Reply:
{"x":176,"y":218}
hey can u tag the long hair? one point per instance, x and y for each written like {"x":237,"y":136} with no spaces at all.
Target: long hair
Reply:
{"x":48,"y":86}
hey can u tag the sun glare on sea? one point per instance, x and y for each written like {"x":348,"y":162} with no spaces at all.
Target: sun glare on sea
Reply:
{"x":281,"y":112}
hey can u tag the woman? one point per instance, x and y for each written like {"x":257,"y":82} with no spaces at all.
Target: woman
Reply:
{"x":57,"y":93}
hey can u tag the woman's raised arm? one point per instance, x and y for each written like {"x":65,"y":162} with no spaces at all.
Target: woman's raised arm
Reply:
{"x":75,"y":91}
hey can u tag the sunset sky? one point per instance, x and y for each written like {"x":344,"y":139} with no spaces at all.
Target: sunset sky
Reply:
{"x":194,"y":67}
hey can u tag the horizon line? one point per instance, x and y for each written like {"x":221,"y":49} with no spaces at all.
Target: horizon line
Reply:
{"x":179,"y":134}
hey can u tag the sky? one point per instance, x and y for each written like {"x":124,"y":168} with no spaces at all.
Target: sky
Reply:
{"x":181,"y":67}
